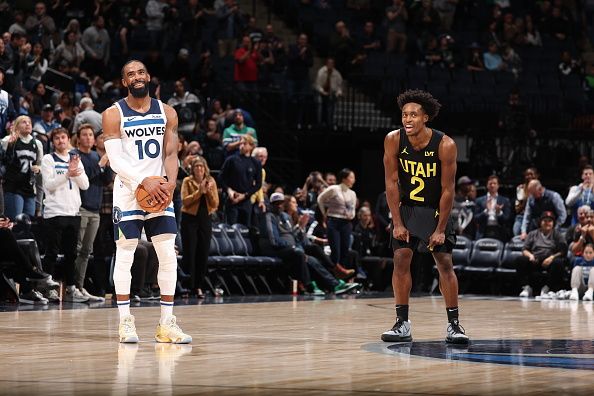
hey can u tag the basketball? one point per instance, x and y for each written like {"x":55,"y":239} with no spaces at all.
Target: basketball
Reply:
{"x":146,"y":202}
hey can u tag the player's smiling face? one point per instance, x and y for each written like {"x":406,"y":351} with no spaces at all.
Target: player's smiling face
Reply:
{"x":413,"y":118}
{"x":136,"y":79}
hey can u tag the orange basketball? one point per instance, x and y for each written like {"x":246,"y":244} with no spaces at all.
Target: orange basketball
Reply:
{"x":146,"y":202}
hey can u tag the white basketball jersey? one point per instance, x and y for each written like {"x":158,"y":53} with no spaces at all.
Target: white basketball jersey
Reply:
{"x":142,"y":138}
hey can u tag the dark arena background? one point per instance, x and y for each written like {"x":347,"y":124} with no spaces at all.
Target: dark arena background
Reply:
{"x":272,"y":302}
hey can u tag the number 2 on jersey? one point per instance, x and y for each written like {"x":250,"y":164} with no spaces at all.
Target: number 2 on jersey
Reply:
{"x":148,"y":148}
{"x":413,"y":194}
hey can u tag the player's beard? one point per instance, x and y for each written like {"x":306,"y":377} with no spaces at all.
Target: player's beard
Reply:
{"x":139,"y":92}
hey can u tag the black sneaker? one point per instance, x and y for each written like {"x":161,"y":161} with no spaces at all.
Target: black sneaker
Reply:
{"x":456,"y":333}
{"x":145,"y":294}
{"x":400,"y":332}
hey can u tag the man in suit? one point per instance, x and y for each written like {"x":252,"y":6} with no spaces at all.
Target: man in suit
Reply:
{"x":493,"y":212}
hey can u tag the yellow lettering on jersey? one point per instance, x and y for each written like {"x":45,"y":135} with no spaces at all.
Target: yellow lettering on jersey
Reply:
{"x":432,"y":169}
{"x":429,"y":153}
{"x":404,"y":164}
{"x":420,"y":170}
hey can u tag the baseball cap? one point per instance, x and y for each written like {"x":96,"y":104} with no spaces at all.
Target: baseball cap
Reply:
{"x":464,"y":180}
{"x":276,"y":197}
{"x":547,"y":215}
{"x":47,"y":107}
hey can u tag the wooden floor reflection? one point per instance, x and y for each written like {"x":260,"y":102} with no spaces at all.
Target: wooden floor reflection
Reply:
{"x":286,"y":348}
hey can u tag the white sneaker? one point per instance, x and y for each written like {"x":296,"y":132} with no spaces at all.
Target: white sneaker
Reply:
{"x":560,"y":295}
{"x":544,"y":293}
{"x":48,"y":283}
{"x":91,"y":297}
{"x":589,"y":295}
{"x":400,"y":332}
{"x":526,"y":291}
{"x":127,"y":330}
{"x":74,"y":295}
{"x":32,"y":297}
{"x":455,"y":333}
{"x":574,"y":296}
{"x":170,"y":332}
{"x":52,"y":295}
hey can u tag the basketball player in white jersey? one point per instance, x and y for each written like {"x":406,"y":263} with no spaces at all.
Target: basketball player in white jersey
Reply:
{"x":141,"y":141}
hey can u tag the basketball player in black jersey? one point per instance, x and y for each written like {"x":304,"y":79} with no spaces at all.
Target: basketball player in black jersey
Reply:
{"x":420,"y":169}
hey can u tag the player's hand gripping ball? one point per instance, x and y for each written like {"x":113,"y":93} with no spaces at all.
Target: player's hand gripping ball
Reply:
{"x":147,"y":203}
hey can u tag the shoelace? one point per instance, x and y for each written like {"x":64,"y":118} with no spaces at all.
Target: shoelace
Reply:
{"x":128,"y":326}
{"x":173,"y":325}
{"x":456,"y":328}
{"x":397,"y":325}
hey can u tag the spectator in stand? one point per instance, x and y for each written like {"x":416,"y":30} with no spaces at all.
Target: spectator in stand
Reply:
{"x":475,"y":58}
{"x":365,"y":241}
{"x":541,"y":200}
{"x":87,"y":115}
{"x":383,"y":221}
{"x":447,"y":12}
{"x":18,"y":23}
{"x":155,"y":15}
{"x":463,"y":210}
{"x":22,"y":160}
{"x":330,"y":178}
{"x":70,"y":52}
{"x":522,"y":198}
{"x":188,"y":107}
{"x":446,"y":53}
{"x":510,"y":31}
{"x":99,"y":175}
{"x":96,"y":42}
{"x":329,"y":89}
{"x":232,"y":136}
{"x":532,"y":36}
{"x":180,"y":68}
{"x":43,"y":127}
{"x":39,"y":98}
{"x":338,"y":203}
{"x":7,"y":111}
{"x":586,"y":262}
{"x":300,"y":60}
{"x":369,"y":40}
{"x":582,"y":233}
{"x":544,"y":249}
{"x":63,"y":178}
{"x":200,"y":199}
{"x":313,"y":187}
{"x":213,"y":145}
{"x":258,"y":198}
{"x":493,"y":61}
{"x":512,"y":60}
{"x":493,"y":213}
{"x":557,"y":25}
{"x":231,"y":24}
{"x":426,"y":19}
{"x":395,"y":27}
{"x":40,"y":26}
{"x":581,"y":194}
{"x":37,"y":65}
{"x":245,"y":74}
{"x":241,"y":177}
{"x":569,"y":65}
{"x":342,"y":47}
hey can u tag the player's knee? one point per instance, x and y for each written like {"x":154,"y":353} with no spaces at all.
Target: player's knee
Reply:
{"x":444,"y":264}
{"x":123,"y":263}
{"x":165,"y":248}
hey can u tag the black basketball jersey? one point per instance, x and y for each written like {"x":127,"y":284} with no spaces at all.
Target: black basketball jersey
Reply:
{"x":419,"y":172}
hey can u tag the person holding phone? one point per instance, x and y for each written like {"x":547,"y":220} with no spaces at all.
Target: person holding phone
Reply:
{"x":63,"y":177}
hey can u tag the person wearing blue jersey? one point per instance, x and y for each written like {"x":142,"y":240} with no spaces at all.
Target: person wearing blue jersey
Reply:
{"x":141,"y":141}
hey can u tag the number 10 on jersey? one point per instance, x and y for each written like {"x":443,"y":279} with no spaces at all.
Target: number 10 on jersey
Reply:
{"x":151,"y":148}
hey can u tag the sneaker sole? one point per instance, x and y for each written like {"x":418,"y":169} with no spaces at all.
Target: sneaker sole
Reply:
{"x":129,"y":340}
{"x":347,"y":289}
{"x":389,"y":338}
{"x":167,"y":340}
{"x":457,"y":341}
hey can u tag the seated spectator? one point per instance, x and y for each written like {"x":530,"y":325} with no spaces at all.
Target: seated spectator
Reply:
{"x":279,"y":239}
{"x":369,"y":41}
{"x":431,"y":52}
{"x":512,"y":60}
{"x":22,"y":270}
{"x":329,"y":89}
{"x":522,"y":198}
{"x":541,"y":200}
{"x":213,"y":145}
{"x":22,"y":161}
{"x":365,"y":241}
{"x":475,"y":59}
{"x":544,"y":250}
{"x":258,"y":198}
{"x":586,"y":262}
{"x":40,"y":97}
{"x":581,"y":194}
{"x":493,"y":212}
{"x":188,"y":107}
{"x":532,"y":36}
{"x":569,"y":65}
{"x":463,"y":210}
{"x":493,"y":61}
{"x":582,"y":233}
{"x":446,"y":52}
{"x":232,"y":136}
{"x":43,"y":127}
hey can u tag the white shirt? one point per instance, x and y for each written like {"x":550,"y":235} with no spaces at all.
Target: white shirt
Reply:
{"x":62,"y":193}
{"x":338,"y":201}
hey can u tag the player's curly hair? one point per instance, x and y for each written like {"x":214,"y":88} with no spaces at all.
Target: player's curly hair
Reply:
{"x":429,"y":104}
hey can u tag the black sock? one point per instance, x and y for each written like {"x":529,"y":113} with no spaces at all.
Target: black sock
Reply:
{"x":452,"y":313}
{"x":402,"y":312}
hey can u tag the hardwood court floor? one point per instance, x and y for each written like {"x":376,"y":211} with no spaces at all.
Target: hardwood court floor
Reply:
{"x":288,"y":348}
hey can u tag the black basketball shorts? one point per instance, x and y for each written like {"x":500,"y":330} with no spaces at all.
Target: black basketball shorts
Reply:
{"x":421,"y":222}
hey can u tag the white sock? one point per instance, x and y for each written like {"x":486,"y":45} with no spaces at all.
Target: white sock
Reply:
{"x":124,"y":308}
{"x":166,"y":310}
